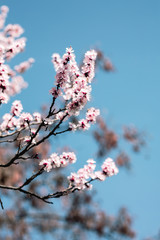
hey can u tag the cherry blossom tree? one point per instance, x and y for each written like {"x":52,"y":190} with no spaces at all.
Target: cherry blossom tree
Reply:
{"x":30,"y":176}
{"x":23,"y":129}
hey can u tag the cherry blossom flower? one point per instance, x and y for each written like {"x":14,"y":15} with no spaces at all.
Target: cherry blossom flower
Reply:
{"x":4,"y":9}
{"x":37,"y":117}
{"x":55,"y":161}
{"x":47,"y":163}
{"x":16,"y":85}
{"x":89,"y":65}
{"x":83,"y":124}
{"x":3,"y":15}
{"x":109,"y":168}
{"x":13,"y":30}
{"x":6,"y":118}
{"x":73,"y":127}
{"x":24,"y":119}
{"x":56,"y":60}
{"x":100,"y":175}
{"x":3,"y":98}
{"x":16,"y":108}
{"x":55,"y":92}
{"x":91,"y":114}
{"x":28,"y":139}
{"x":22,"y":67}
{"x":74,"y":84}
{"x":85,"y":175}
{"x":69,"y":156}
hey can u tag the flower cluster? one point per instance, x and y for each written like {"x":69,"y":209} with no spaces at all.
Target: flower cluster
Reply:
{"x":88,"y":65}
{"x":16,"y":108}
{"x":91,"y":115}
{"x":11,"y":43}
{"x":75,"y":84}
{"x":55,"y":161}
{"x":85,"y":175}
{"x":26,"y":131}
{"x":22,"y":67}
{"x":109,"y":168}
{"x":84,"y":124}
{"x":18,"y":119}
{"x":13,"y":30}
{"x":3,"y":15}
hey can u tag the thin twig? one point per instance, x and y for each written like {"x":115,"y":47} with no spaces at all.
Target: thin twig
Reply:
{"x":29,"y":180}
{"x":56,"y":133}
{"x":45,"y":198}
{"x":1,"y":204}
{"x":24,"y":191}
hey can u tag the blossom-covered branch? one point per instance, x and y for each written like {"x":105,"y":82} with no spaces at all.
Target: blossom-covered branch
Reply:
{"x":27,"y":131}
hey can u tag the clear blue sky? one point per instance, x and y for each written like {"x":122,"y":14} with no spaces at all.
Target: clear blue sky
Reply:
{"x":129,"y":33}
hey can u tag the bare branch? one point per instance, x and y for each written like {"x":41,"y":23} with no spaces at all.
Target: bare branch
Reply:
{"x":1,"y":204}
{"x":29,"y":180}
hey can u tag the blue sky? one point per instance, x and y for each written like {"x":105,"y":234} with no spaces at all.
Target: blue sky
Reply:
{"x":128,"y":33}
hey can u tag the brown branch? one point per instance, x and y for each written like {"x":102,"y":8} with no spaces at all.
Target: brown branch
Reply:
{"x":45,"y":198}
{"x":25,"y":192}
{"x":29,"y":146}
{"x":1,"y":204}
{"x":18,"y":130}
{"x":29,"y":180}
{"x":67,"y":130}
{"x":53,"y":102}
{"x":50,"y":134}
{"x":11,"y":141}
{"x":60,"y":193}
{"x":60,"y":110}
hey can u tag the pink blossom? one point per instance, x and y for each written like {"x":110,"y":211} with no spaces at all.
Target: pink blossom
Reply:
{"x":16,"y":85}
{"x":55,"y":92}
{"x":91,"y":115}
{"x":56,"y":161}
{"x":47,"y":164}
{"x":56,"y":60}
{"x":4,"y":83}
{"x":72,"y":126}
{"x":15,"y":47}
{"x":83,"y":124}
{"x":109,"y":168}
{"x":37,"y":116}
{"x":2,"y":21}
{"x":22,"y":67}
{"x":24,"y":119}
{"x":69,"y":157}
{"x":89,"y":65}
{"x":4,"y":9}
{"x":3,"y":98}
{"x":3,"y":15}
{"x":6,"y":118}
{"x":11,"y":73}
{"x":82,"y":178}
{"x":69,"y":50}
{"x":27,"y":139}
{"x":2,"y":50}
{"x":68,"y":94}
{"x":16,"y":108}
{"x":74,"y":84}
{"x":100,"y":175}
{"x":13,"y":30}
{"x":9,"y":122}
{"x":60,"y":116}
